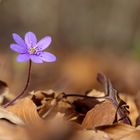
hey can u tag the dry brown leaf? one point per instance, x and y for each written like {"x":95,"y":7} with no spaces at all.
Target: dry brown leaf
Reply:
{"x":132,"y":136}
{"x":12,"y":132}
{"x":101,"y":114}
{"x":42,"y":100}
{"x":47,"y":103}
{"x":80,"y":107}
{"x":54,"y":128}
{"x":5,"y":94}
{"x":84,"y":105}
{"x":132,"y":108}
{"x":96,"y":93}
{"x":121,"y":132}
{"x":41,"y":94}
{"x":26,"y":110}
{"x":11,"y":117}
{"x":91,"y":135}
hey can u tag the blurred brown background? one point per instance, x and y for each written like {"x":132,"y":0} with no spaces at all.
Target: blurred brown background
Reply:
{"x":89,"y":36}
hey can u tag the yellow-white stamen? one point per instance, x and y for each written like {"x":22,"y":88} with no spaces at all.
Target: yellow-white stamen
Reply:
{"x":32,"y":50}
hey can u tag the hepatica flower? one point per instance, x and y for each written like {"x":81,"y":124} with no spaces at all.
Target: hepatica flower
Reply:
{"x":30,"y":49}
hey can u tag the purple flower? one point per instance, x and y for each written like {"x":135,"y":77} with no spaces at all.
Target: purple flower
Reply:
{"x":29,"y":48}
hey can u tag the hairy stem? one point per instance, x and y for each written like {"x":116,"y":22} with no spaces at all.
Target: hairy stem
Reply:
{"x":25,"y":88}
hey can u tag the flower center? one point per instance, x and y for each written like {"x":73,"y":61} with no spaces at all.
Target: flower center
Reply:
{"x":32,"y":50}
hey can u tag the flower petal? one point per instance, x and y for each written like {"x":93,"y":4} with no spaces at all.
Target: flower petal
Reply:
{"x":48,"y":57}
{"x":30,"y":39}
{"x":17,"y":48}
{"x":36,"y":59}
{"x":44,"y":43}
{"x":23,"y":57}
{"x":19,"y":40}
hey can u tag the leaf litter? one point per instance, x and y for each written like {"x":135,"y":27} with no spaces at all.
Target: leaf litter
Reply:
{"x":50,"y":115}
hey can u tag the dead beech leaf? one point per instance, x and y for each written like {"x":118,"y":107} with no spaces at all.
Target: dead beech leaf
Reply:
{"x":5,"y":94}
{"x":121,"y":132}
{"x":39,"y":95}
{"x":54,"y":128}
{"x":26,"y":110}
{"x":12,"y":132}
{"x":112,"y":94}
{"x":101,"y":114}
{"x":42,"y":99}
{"x":80,"y":107}
{"x":91,"y":135}
{"x":4,"y":114}
{"x":96,"y":93}
{"x":132,"y":108}
{"x":135,"y":135}
{"x":84,"y":105}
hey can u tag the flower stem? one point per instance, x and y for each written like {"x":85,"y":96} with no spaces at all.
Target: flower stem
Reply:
{"x":25,"y":88}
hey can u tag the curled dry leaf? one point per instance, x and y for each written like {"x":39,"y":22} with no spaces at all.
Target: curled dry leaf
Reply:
{"x":3,"y":87}
{"x":101,"y":114}
{"x":65,"y":107}
{"x":26,"y":110}
{"x":43,"y":99}
{"x":132,"y":108}
{"x":138,"y":121}
{"x":135,"y":135}
{"x":121,"y":132}
{"x":11,"y":117}
{"x":91,"y":135}
{"x":84,"y":105}
{"x":5,"y":94}
{"x":97,"y":93}
{"x":12,"y":132}
{"x":112,"y":94}
{"x":49,"y":103}
{"x":80,"y":107}
{"x":54,"y":128}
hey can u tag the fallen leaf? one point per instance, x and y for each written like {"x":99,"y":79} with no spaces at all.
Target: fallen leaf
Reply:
{"x":96,"y":93}
{"x":101,"y":114}
{"x":112,"y":94}
{"x":43,"y":100}
{"x":91,"y":135}
{"x":5,"y":94}
{"x":121,"y":132}
{"x":138,"y":121}
{"x":132,"y":108}
{"x":12,"y":132}
{"x":54,"y":128}
{"x":11,"y":117}
{"x":26,"y":110}
{"x":84,"y":105}
{"x":135,"y":135}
